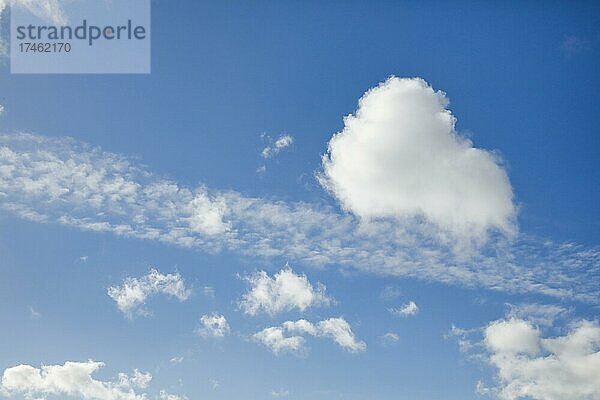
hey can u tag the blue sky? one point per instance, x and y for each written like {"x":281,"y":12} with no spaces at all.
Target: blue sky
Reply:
{"x":516,"y":267}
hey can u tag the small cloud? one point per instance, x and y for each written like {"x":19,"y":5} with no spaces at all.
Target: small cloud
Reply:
{"x":209,"y":292}
{"x":213,"y":326}
{"x":83,"y":259}
{"x":34,"y":313}
{"x":133,"y":293}
{"x":389,"y":338}
{"x":539,"y":314}
{"x":2,"y":109}
{"x":463,"y":337}
{"x":405,"y":310}
{"x":389,"y":293}
{"x":273,"y":149}
{"x":164,"y":395}
{"x":276,"y":341}
{"x":280,"y":393}
{"x":336,"y":329}
{"x":214,"y":383}
{"x":176,"y":360}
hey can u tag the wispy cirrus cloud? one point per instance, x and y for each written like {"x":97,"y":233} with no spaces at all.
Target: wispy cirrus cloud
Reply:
{"x":539,"y":314}
{"x":60,"y":180}
{"x":277,"y":146}
{"x":273,"y":148}
{"x":406,"y":309}
{"x":389,"y":338}
{"x":280,"y":393}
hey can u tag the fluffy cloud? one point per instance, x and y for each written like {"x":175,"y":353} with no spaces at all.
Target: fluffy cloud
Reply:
{"x":339,"y":330}
{"x":512,"y":336}
{"x":213,"y":326}
{"x":529,"y":366}
{"x":405,"y":310}
{"x":275,"y":339}
{"x":529,"y":363}
{"x":285,"y":291}
{"x":400,"y":156}
{"x":281,"y":143}
{"x":336,"y":329}
{"x":133,"y":293}
{"x":72,"y":379}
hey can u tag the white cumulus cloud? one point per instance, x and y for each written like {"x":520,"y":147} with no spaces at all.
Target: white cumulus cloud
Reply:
{"x":528,"y":359}
{"x":400,"y":156}
{"x":132,"y":294}
{"x":287,"y":337}
{"x":213,"y":326}
{"x":72,"y":379}
{"x":512,"y":336}
{"x":284,"y":291}
{"x":554,"y":368}
{"x":275,"y":339}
